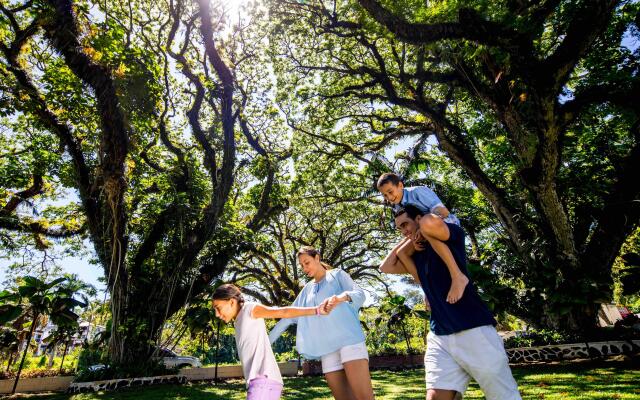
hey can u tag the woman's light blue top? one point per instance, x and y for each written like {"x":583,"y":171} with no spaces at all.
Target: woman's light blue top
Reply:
{"x":323,"y":334}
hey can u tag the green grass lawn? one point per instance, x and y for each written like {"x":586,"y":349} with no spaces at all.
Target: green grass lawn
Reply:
{"x":614,"y":379}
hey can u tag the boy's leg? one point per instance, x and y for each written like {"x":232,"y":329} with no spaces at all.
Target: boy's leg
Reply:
{"x":436,"y":231}
{"x":404,"y":255}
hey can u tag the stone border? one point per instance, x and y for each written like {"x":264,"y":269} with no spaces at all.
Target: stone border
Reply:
{"x":516,"y":356}
{"x":573,"y":351}
{"x":184,"y":376}
{"x":115,"y":384}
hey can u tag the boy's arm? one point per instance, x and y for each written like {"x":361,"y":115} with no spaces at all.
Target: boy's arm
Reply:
{"x":260,"y":311}
{"x":391,"y":264}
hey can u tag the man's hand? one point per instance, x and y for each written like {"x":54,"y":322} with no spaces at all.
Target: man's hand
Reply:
{"x":418,"y":241}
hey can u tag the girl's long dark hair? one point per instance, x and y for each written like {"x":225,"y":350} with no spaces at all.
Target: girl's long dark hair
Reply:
{"x":228,"y":291}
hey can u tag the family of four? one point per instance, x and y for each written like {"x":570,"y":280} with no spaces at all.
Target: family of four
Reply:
{"x":462,"y":342}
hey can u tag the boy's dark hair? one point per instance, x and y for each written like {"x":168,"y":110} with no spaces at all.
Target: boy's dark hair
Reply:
{"x":411,"y":211}
{"x":228,"y":291}
{"x":388,"y":177}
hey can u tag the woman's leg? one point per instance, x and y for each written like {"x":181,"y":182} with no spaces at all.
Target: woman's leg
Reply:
{"x":357,"y":372}
{"x":339,"y":385}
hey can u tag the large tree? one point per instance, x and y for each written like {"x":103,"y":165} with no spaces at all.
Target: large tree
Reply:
{"x":533,"y":101}
{"x":146,"y":113}
{"x":331,"y":209}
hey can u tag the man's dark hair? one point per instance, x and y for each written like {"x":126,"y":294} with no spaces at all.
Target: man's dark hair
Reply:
{"x":388,"y":177}
{"x":411,"y":211}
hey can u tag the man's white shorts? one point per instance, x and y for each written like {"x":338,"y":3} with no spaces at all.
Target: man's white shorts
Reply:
{"x":333,"y":361}
{"x":452,"y":360}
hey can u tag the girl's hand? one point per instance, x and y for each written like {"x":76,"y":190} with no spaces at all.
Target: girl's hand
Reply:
{"x":322,"y":309}
{"x":332,"y":302}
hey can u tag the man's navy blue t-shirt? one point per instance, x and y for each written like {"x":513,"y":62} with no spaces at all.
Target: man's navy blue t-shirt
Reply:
{"x":470,"y":311}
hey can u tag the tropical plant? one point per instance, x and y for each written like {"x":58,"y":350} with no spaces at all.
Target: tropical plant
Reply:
{"x":36,"y":298}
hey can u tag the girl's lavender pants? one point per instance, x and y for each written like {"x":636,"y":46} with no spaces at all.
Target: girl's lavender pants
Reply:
{"x":264,"y":389}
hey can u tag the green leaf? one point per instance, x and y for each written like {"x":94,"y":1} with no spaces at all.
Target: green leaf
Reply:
{"x":9,"y":312}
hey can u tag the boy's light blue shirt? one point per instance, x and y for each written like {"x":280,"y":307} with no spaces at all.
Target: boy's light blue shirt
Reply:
{"x":426,"y":200}
{"x":323,"y":334}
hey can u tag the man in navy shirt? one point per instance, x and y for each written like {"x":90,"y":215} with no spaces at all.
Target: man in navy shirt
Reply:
{"x":463,"y":342}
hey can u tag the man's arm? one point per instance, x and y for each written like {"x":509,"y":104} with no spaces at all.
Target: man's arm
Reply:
{"x":404,"y":254}
{"x":391,"y":264}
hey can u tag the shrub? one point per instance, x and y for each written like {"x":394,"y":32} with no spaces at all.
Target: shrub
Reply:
{"x":36,"y":373}
{"x":539,"y":337}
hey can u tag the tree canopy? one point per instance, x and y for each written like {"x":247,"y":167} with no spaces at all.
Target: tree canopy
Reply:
{"x":186,"y":143}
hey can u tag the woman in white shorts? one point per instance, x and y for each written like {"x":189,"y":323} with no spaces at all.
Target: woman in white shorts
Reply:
{"x":336,"y":339}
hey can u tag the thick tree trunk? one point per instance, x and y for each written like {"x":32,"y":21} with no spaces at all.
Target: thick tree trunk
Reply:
{"x":578,"y":319}
{"x":133,"y":332}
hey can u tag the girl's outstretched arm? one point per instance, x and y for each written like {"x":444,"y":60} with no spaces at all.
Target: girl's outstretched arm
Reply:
{"x":260,"y":311}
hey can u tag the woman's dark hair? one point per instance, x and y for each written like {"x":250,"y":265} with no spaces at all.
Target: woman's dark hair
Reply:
{"x":411,"y":211}
{"x":312,"y":252}
{"x":228,"y":291}
{"x":388,"y":177}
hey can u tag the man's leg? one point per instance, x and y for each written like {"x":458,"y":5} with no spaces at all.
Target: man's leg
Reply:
{"x":444,"y":377}
{"x":439,"y":394}
{"x":436,"y":231}
{"x":481,"y":352}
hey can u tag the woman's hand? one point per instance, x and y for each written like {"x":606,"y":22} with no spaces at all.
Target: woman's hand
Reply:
{"x":332,"y":302}
{"x":325,"y":307}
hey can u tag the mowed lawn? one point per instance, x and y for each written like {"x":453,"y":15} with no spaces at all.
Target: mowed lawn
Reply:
{"x":614,"y":379}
